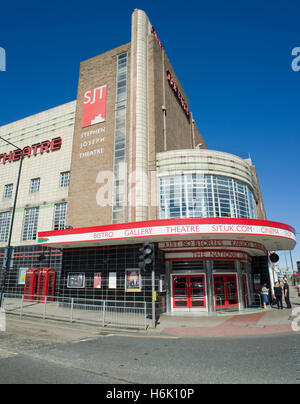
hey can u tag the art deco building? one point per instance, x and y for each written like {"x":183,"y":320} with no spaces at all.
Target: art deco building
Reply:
{"x":124,"y":165}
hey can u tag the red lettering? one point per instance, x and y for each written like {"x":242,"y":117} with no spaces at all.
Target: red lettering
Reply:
{"x":7,"y":157}
{"x":156,"y":36}
{"x":17,"y":155}
{"x":35,"y":147}
{"x":178,"y":94}
{"x":45,"y":146}
{"x":56,"y":143}
{"x":27,"y":151}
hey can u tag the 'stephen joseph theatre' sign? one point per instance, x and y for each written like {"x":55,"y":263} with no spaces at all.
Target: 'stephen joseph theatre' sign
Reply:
{"x":28,"y":151}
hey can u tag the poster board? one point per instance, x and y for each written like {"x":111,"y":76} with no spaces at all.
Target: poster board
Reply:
{"x":133,"y":280}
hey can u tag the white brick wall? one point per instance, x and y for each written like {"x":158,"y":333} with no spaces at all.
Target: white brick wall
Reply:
{"x":55,"y":122}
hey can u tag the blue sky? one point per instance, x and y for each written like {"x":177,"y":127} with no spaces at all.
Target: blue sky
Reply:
{"x":233,"y":59}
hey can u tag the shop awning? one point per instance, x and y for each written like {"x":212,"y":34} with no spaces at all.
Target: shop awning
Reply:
{"x":250,"y":235}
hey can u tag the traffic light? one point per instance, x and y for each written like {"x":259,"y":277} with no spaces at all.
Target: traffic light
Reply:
{"x":146,"y":256}
{"x":141,"y":263}
{"x":274,"y":257}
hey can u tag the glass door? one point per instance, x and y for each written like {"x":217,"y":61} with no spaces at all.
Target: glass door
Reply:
{"x":219,"y":291}
{"x":197,"y":298}
{"x":189,"y":292}
{"x":226,"y":293}
{"x":231,"y":289}
{"x":180,"y":292}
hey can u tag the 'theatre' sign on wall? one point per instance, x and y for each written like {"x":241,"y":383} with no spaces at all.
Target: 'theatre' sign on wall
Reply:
{"x":28,"y":151}
{"x":94,"y":106}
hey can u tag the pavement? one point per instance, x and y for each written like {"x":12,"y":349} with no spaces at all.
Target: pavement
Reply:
{"x":247,"y":322}
{"x":256,"y":322}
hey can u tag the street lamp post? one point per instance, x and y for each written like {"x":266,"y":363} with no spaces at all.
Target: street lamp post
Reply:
{"x":7,"y":258}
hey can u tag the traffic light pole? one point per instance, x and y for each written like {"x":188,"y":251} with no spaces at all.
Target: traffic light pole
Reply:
{"x":153,"y":296}
{"x":146,"y":257}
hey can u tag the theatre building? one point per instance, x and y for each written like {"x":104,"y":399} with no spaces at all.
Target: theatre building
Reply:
{"x":124,"y":165}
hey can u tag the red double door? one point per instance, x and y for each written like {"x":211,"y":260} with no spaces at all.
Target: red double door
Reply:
{"x":189,"y":292}
{"x":226,"y":293}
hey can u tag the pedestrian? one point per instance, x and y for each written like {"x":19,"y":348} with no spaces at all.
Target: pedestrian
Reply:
{"x":286,"y":292}
{"x":265,"y":295}
{"x":278,"y":295}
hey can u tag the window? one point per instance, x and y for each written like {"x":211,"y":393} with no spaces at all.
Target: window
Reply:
{"x":65,"y":179}
{"x":35,"y":185}
{"x":60,"y":212}
{"x":118,"y":198}
{"x":199,"y":195}
{"x":30,"y":224}
{"x":4,"y":225}
{"x":8,"y":191}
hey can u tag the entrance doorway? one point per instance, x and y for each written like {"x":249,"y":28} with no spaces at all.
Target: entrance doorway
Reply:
{"x":226,"y":293}
{"x":189,"y":292}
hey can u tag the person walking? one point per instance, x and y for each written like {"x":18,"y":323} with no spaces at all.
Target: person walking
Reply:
{"x":278,"y":295}
{"x":286,"y":293}
{"x":265,"y":295}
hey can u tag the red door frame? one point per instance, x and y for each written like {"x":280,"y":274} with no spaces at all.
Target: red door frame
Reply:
{"x":226,"y":292}
{"x":245,"y":289}
{"x":189,"y":296}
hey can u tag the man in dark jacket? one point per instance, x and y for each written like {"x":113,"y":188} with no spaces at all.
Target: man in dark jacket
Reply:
{"x":286,"y":293}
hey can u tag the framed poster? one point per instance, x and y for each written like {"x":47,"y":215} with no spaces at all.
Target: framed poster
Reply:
{"x":22,"y":275}
{"x":97,"y":280}
{"x":76,"y":280}
{"x":133,"y":281}
{"x":112,"y":280}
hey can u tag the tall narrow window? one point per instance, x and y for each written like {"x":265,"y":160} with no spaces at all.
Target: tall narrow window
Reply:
{"x":35,"y":185}
{"x":8,"y":189}
{"x":118,"y":203}
{"x":60,"y":212}
{"x":64,"y":179}
{"x":30,"y":224}
{"x":4,"y":225}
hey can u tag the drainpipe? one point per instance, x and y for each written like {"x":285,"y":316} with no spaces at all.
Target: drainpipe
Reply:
{"x":193,"y":131}
{"x":164,"y":109}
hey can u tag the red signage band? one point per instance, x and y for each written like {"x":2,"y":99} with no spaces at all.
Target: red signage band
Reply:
{"x":221,"y":225}
{"x":28,"y":151}
{"x":178,"y":94}
{"x":209,"y":243}
{"x":208,"y":255}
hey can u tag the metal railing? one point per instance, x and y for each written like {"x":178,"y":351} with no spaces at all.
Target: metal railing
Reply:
{"x":230,"y":303}
{"x":253,"y":300}
{"x":105,"y":313}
